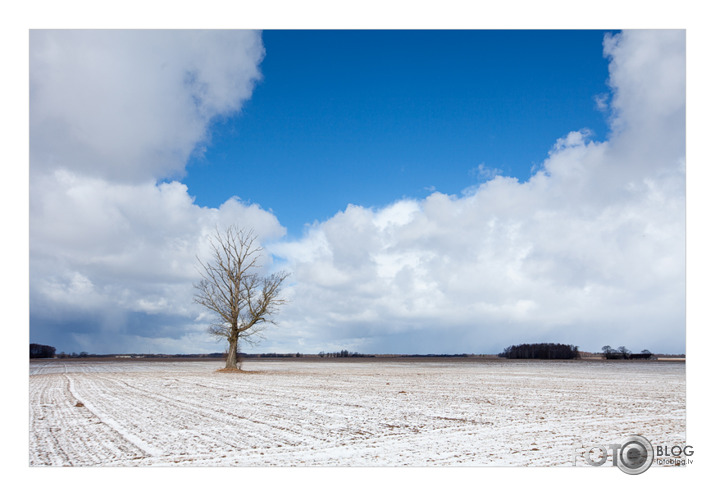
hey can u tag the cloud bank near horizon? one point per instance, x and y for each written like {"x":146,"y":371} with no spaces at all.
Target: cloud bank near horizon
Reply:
{"x":590,"y":250}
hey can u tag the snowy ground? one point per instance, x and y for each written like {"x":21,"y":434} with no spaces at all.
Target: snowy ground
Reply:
{"x":347,"y":412}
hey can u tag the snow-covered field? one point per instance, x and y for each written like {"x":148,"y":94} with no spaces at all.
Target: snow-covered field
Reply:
{"x":347,"y":412}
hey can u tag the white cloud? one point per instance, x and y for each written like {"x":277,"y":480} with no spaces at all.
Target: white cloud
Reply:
{"x":483,"y":172}
{"x":133,"y":105}
{"x":590,"y":250}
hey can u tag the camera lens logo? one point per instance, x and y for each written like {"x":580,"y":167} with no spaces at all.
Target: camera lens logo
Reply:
{"x":635,"y":456}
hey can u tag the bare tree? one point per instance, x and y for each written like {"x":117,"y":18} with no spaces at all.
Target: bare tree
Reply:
{"x":243,"y":301}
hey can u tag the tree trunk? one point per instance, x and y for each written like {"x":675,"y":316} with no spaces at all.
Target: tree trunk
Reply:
{"x":231,"y":357}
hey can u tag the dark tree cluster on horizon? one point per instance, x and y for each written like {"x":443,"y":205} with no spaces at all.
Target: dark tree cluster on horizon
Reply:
{"x":623,"y":353}
{"x":41,"y":351}
{"x":542,"y":351}
{"x":82,"y":354}
{"x":341,"y":354}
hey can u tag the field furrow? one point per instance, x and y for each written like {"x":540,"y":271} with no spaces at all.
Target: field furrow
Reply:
{"x":372,"y":413}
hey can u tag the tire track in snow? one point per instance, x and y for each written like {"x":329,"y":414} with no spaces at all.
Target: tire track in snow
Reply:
{"x":66,"y":435}
{"x":223,"y":414}
{"x":108,"y":420}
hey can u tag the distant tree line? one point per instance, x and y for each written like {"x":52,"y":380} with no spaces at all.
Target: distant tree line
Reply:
{"x":82,"y":354}
{"x":272,"y":355}
{"x":41,"y":351}
{"x":623,"y":353}
{"x":443,"y":355}
{"x":542,"y":351}
{"x":341,"y":354}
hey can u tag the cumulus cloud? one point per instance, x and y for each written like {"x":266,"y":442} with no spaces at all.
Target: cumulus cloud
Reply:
{"x":112,"y":246}
{"x":590,"y":250}
{"x":133,"y":105}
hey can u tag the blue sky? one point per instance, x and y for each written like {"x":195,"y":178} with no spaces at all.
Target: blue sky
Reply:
{"x":428,"y":191}
{"x":368,"y":117}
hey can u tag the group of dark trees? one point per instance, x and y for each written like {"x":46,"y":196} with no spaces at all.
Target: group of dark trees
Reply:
{"x":44,"y":351}
{"x":544,"y":351}
{"x":82,"y":354}
{"x":41,"y":351}
{"x":623,"y":353}
{"x":341,"y":354}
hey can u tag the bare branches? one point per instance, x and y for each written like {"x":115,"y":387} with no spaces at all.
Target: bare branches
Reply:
{"x":230,"y":286}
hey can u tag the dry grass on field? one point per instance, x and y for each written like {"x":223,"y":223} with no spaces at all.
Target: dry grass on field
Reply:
{"x":237,"y":371}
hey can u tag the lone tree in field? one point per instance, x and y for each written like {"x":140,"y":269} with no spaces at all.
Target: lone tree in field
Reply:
{"x":243,"y":301}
